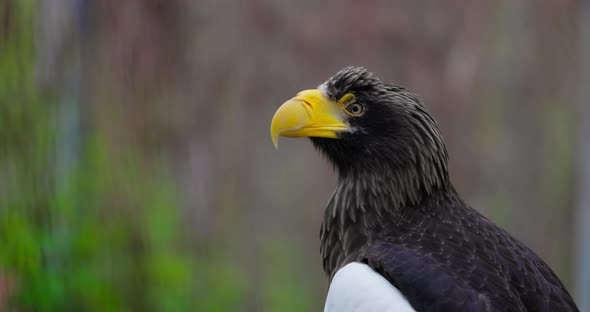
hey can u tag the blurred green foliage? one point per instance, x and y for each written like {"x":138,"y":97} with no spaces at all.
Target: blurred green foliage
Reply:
{"x":104,"y":235}
{"x":284,"y":287}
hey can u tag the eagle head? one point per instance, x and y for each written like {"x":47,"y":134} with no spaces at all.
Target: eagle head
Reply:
{"x":364,"y":125}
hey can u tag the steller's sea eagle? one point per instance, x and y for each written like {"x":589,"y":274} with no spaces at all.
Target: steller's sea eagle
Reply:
{"x":396,"y":236}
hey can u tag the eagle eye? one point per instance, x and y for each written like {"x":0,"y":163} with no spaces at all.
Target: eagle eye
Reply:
{"x":355,"y":109}
{"x":351,"y":106}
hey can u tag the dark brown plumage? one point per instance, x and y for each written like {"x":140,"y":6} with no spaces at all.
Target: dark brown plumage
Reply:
{"x":395,"y":209}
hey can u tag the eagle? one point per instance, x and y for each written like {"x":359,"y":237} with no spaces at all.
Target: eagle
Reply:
{"x":396,"y":235}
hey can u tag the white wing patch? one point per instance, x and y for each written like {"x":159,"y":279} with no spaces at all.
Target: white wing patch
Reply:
{"x":357,"y":288}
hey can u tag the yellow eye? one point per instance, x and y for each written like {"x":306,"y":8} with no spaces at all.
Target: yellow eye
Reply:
{"x":355,"y":109}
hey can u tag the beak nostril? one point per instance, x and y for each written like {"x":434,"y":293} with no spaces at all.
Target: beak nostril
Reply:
{"x":306,"y":103}
{"x":308,"y":107}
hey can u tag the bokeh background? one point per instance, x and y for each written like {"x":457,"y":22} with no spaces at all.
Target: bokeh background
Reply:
{"x":137,"y":172}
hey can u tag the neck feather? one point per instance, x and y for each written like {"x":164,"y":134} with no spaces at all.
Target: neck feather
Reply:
{"x":366,"y":203}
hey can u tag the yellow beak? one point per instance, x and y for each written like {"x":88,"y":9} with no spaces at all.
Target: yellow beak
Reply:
{"x":308,"y":114}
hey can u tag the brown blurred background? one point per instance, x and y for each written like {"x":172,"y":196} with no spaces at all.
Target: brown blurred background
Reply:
{"x":138,"y":169}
